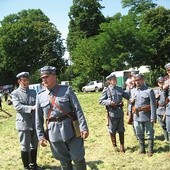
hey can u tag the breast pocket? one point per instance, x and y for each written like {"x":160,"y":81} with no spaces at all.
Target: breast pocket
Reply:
{"x":63,"y":102}
{"x":144,"y":98}
{"x":45,"y":106}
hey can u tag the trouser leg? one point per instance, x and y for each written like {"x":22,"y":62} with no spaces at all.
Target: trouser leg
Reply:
{"x":66,"y":166}
{"x":142,"y":145}
{"x":80,"y":165}
{"x":150,"y":147}
{"x":25,"y":159}
{"x":121,"y":138}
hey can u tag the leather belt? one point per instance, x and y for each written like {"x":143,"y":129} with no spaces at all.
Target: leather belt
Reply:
{"x":58,"y":119}
{"x":161,"y":105}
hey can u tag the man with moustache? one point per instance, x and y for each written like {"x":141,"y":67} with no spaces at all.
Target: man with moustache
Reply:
{"x":58,"y":105}
{"x":144,"y":113}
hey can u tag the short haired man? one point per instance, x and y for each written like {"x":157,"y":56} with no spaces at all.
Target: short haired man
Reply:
{"x":144,"y":110}
{"x":23,"y":100}
{"x":112,"y":97}
{"x":58,"y":105}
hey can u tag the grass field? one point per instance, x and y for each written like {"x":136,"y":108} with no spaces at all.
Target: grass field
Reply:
{"x":99,"y":150}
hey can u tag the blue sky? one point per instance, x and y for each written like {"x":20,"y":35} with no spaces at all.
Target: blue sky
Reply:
{"x":57,"y":10}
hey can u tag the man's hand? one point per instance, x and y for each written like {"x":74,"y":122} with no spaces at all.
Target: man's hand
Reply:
{"x":43,"y":142}
{"x":112,"y":104}
{"x":84,"y":134}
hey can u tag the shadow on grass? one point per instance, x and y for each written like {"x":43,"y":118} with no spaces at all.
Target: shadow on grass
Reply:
{"x":93,"y":164}
{"x":48,"y":167}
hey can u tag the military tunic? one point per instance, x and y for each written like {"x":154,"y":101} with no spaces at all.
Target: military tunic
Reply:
{"x":23,"y":102}
{"x":61,"y":133}
{"x":142,"y":120}
{"x":116,"y":115}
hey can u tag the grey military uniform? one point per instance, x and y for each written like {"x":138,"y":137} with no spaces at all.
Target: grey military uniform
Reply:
{"x":114,"y":94}
{"x":160,"y":111}
{"x":23,"y":102}
{"x":144,"y":96}
{"x":61,"y":134}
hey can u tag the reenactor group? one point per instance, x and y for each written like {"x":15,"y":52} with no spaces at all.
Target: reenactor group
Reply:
{"x":145,"y":106}
{"x":55,"y":116}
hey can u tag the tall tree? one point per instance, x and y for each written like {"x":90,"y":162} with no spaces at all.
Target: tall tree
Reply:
{"x":138,"y":6}
{"x":28,"y":40}
{"x":85,"y":18}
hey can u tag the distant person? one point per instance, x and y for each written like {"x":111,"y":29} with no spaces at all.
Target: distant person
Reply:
{"x":161,"y":106}
{"x":6,"y":96}
{"x":166,"y":87}
{"x":144,"y":113}
{"x":59,"y":106}
{"x":0,"y":102}
{"x":24,"y":100}
{"x":112,"y":97}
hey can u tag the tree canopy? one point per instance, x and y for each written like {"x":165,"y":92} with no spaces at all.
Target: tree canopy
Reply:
{"x":28,"y":40}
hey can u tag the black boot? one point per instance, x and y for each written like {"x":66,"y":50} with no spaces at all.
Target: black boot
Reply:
{"x":142,"y":146}
{"x":66,"y":166}
{"x":150,"y":147}
{"x":33,"y":160}
{"x":121,"y":138}
{"x":25,"y":159}
{"x":80,"y":165}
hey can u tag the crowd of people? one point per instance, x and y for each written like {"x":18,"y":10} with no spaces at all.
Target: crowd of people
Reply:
{"x":145,"y":107}
{"x":54,"y":115}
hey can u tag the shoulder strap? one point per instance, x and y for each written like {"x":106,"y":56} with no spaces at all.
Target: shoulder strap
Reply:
{"x":58,"y":106}
{"x":49,"y":113}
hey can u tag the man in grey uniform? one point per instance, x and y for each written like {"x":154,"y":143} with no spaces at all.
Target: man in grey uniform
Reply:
{"x":144,"y":110}
{"x":57,"y":105}
{"x":166,"y":87}
{"x":112,"y":97}
{"x":24,"y":100}
{"x":161,"y":106}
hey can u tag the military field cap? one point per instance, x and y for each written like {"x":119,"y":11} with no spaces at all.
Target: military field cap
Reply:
{"x":138,"y":76}
{"x":160,"y":79}
{"x":133,"y":72}
{"x":23,"y":75}
{"x":47,"y":70}
{"x":111,"y":76}
{"x":167,"y":66}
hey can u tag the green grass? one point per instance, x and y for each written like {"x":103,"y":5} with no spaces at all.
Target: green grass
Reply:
{"x":99,"y":150}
